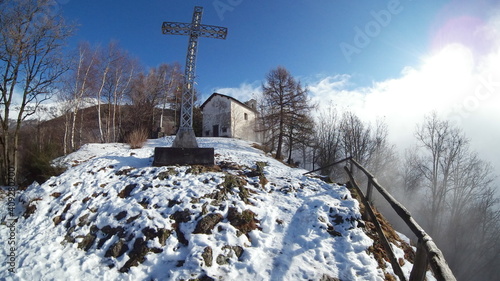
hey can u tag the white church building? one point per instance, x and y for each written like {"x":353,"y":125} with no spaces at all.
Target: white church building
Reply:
{"x":225,"y":116}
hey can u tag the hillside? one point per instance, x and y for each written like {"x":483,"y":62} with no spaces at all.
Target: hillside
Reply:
{"x":112,"y":216}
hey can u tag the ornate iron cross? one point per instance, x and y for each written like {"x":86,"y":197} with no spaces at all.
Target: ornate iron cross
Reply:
{"x":185,"y":137}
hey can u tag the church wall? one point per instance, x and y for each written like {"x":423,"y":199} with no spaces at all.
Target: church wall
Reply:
{"x":230,"y":118}
{"x":243,"y":122}
{"x":217,"y":113}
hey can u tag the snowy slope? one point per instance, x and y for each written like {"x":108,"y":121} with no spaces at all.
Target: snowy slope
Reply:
{"x":112,"y":216}
{"x":48,"y":110}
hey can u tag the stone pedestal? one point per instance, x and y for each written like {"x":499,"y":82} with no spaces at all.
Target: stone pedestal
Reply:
{"x":185,"y":138}
{"x":169,"y":156}
{"x":184,"y":151}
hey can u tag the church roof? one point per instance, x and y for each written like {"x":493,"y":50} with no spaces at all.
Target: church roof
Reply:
{"x":229,"y":97}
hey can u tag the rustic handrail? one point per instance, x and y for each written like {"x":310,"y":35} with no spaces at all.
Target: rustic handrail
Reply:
{"x":328,"y":166}
{"x":385,"y":243}
{"x":427,"y":251}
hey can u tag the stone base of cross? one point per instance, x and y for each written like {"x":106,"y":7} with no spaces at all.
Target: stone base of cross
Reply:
{"x":185,"y":138}
{"x":184,"y":150}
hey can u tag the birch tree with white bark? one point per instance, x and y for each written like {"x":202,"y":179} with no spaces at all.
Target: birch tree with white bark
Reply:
{"x":32,"y":37}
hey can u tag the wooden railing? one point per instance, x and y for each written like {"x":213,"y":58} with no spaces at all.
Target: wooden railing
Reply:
{"x":427,"y":251}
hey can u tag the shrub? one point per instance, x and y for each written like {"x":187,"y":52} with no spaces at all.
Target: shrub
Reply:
{"x":36,"y":164}
{"x":137,"y":138}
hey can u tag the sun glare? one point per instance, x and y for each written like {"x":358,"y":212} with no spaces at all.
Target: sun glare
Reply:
{"x":451,"y":63}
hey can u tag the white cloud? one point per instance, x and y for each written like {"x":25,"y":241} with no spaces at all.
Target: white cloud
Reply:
{"x":455,"y":81}
{"x":459,"y":84}
{"x":244,"y":92}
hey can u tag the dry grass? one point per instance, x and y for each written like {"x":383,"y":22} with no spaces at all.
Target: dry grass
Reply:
{"x":137,"y":138}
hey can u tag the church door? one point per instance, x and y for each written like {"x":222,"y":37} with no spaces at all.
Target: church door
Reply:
{"x":216,"y":130}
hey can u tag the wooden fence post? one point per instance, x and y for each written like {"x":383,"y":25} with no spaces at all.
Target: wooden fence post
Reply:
{"x":352,"y":166}
{"x":420,"y":264}
{"x":369,"y":191}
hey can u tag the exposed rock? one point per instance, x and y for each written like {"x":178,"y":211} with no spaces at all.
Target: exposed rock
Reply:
{"x":137,"y":254}
{"x":109,"y":233}
{"x":56,"y":194}
{"x":244,"y":222}
{"x":182,"y":216}
{"x":204,"y":208}
{"x":84,"y":220}
{"x":232,"y":181}
{"x":124,"y":172}
{"x":338,"y":219}
{"x":87,"y":242}
{"x":172,"y":203}
{"x":127,"y":190}
{"x":149,"y":233}
{"x":163,"y":235}
{"x":156,"y":250}
{"x":207,"y":223}
{"x":167,"y":174}
{"x":327,"y":277}
{"x":57,"y":220}
{"x":238,"y":251}
{"x":207,"y":256}
{"x":332,"y":231}
{"x":131,"y":219}
{"x":258,"y":172}
{"x":117,"y":249}
{"x":66,"y":209}
{"x":109,"y":230}
{"x":144,"y":203}
{"x":199,"y":169}
{"x":29,"y":210}
{"x":121,"y":215}
{"x":221,"y":259}
{"x":68,"y":237}
{"x":203,"y":278}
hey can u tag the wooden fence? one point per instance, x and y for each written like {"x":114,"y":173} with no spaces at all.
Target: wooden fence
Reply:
{"x":427,"y":251}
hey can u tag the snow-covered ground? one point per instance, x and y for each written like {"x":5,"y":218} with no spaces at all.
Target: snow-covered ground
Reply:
{"x":112,"y":216}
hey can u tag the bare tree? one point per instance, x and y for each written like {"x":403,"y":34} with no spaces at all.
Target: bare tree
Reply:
{"x":411,"y":178}
{"x":77,"y":86}
{"x":113,"y":73}
{"x":285,"y":102}
{"x":439,"y":148}
{"x":458,"y":205}
{"x":173,"y":78}
{"x":159,"y":87}
{"x":348,"y":136}
{"x":31,"y":61}
{"x":383,"y":160}
{"x":356,"y":138}
{"x":328,"y":137}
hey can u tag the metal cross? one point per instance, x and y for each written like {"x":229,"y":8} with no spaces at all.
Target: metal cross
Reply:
{"x":185,"y":137}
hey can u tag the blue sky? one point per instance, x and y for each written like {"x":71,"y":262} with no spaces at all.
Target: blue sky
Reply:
{"x":304,"y":36}
{"x":393,"y":59}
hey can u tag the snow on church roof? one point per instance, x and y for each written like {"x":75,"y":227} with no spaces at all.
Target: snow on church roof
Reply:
{"x":229,"y":97}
